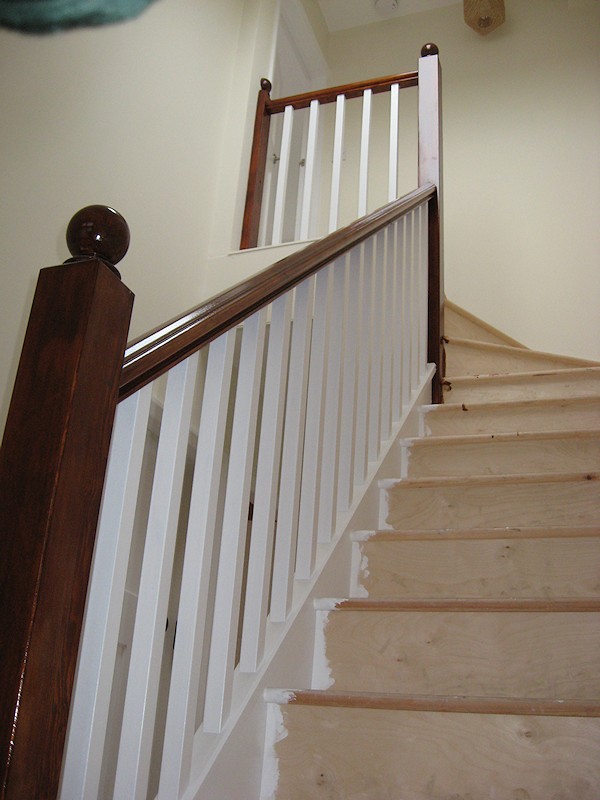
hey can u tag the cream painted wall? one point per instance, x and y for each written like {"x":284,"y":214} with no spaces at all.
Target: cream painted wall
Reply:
{"x":152,"y":117}
{"x":521,"y":169}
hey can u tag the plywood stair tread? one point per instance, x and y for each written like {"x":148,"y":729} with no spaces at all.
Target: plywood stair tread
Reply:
{"x":455,"y":704}
{"x":512,"y":436}
{"x":492,"y":347}
{"x":457,"y":319}
{"x":559,"y":374}
{"x":489,"y":480}
{"x":501,"y":604}
{"x":540,"y":532}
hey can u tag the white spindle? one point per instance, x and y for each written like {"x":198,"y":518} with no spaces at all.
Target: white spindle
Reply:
{"x":363,"y":170}
{"x":265,"y":494}
{"x":191,"y":622}
{"x":282,"y":177}
{"x":363,"y":374}
{"x":393,"y":159}
{"x":311,"y":465}
{"x":139,"y":714}
{"x":91,"y":699}
{"x":235,"y":525}
{"x":292,"y":453}
{"x":387,"y":328}
{"x":414,"y":301}
{"x":348,"y":417}
{"x":376,"y":348}
{"x":332,"y":411}
{"x":396,"y":233}
{"x":338,"y":152}
{"x":405,"y":315}
{"x":424,"y":289}
{"x":311,"y":158}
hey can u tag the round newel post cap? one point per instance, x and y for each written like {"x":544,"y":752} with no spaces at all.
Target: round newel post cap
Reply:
{"x":430,"y":49}
{"x":265,"y":84}
{"x":98,"y":232}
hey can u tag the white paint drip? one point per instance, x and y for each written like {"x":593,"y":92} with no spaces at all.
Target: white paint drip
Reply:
{"x":276,"y":731}
{"x":322,"y":678}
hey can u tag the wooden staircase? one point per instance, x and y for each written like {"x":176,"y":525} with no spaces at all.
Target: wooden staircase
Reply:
{"x":466,"y":663}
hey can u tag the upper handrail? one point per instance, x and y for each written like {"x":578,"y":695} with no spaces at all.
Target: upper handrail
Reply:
{"x":155,"y":353}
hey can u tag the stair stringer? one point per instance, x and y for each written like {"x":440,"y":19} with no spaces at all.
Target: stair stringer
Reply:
{"x":234,"y":760}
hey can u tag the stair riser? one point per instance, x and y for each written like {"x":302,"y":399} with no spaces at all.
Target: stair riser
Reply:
{"x":542,"y":417}
{"x":552,"y":387}
{"x":494,"y":505}
{"x":353,"y":754}
{"x":479,"y":568}
{"x":473,"y":360}
{"x":502,"y":458}
{"x":501,"y":654}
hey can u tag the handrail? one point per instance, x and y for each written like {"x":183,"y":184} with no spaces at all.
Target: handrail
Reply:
{"x":349,"y":90}
{"x":154,"y":354}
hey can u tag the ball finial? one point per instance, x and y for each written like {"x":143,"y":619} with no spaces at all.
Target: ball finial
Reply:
{"x":265,"y":84}
{"x":98,"y":232}
{"x":430,"y":49}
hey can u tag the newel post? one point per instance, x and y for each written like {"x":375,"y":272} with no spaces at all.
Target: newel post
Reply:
{"x":430,"y":171}
{"x":256,"y":172}
{"x":52,"y":464}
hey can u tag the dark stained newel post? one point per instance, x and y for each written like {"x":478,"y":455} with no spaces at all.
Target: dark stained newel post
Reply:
{"x":256,"y":172}
{"x":52,"y":465}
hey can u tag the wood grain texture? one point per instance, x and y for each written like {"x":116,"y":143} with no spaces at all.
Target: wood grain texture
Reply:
{"x":510,"y":417}
{"x":559,"y":384}
{"x":498,"y":454}
{"x":467,"y":357}
{"x":511,"y":653}
{"x":496,"y":567}
{"x":461,"y":323}
{"x":366,"y":754}
{"x":496,"y":502}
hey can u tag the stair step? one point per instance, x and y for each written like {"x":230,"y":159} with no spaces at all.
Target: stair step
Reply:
{"x":494,"y":501}
{"x":531,"y":647}
{"x":367,"y":746}
{"x":463,"y":324}
{"x":559,"y":414}
{"x":578,"y":382}
{"x":484,"y":563}
{"x":498,"y":454}
{"x":472,"y":357}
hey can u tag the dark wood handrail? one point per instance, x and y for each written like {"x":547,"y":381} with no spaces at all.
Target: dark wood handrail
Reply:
{"x":149,"y":357}
{"x":349,"y":90}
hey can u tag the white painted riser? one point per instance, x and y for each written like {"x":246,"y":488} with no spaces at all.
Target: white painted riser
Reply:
{"x":492,"y":502}
{"x":526,"y":386}
{"x":501,"y":457}
{"x":497,"y":654}
{"x":528,"y":567}
{"x":366,"y":754}
{"x":479,"y":358}
{"x":474,"y":418}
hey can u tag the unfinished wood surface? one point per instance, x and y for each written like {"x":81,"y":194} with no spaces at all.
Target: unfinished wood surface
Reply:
{"x":499,"y":454}
{"x":564,"y":383}
{"x":469,"y":357}
{"x":514,"y":654}
{"x":463,"y":324}
{"x":529,"y":415}
{"x":499,"y":567}
{"x":360,"y":754}
{"x":502,"y":501}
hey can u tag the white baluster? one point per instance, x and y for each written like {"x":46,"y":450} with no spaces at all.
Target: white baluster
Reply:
{"x":424,"y":289}
{"x":93,"y":684}
{"x":193,"y":604}
{"x":414,"y":302}
{"x":387,"y":328}
{"x":393,"y":159}
{"x":363,"y":376}
{"x":338,"y":152}
{"x":139,"y":714}
{"x":313,"y":439}
{"x":332,"y":411}
{"x":282,"y":177}
{"x":376,"y":349}
{"x":406,"y":315}
{"x":363,"y":171}
{"x":292,"y":453}
{"x":267,"y":481}
{"x":397,"y":231}
{"x":311,"y":158}
{"x":235,"y":526}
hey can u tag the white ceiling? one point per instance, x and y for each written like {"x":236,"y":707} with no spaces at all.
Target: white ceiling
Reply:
{"x":341,"y":14}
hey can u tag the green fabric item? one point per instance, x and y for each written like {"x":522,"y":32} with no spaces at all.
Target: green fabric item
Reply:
{"x":48,"y":16}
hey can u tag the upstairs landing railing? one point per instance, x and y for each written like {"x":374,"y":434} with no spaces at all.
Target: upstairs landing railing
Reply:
{"x":243,"y":434}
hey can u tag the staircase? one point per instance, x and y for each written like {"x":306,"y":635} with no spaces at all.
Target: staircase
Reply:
{"x":465,"y":665}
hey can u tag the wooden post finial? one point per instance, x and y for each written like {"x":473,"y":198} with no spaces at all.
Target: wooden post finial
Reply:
{"x":265,"y":84}
{"x":98,"y":232}
{"x":430,"y":49}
